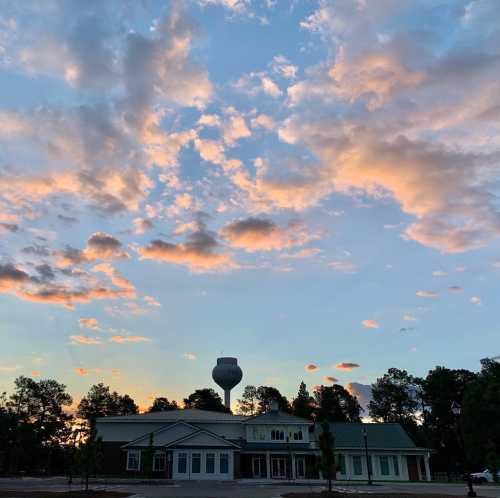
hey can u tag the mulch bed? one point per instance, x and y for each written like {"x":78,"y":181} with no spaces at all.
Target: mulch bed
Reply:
{"x":336,"y":494}
{"x":64,"y":494}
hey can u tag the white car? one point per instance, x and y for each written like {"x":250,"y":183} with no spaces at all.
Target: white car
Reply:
{"x":484,"y":476}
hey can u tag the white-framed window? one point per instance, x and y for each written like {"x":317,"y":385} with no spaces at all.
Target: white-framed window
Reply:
{"x":195,"y":463}
{"x":384,"y":465}
{"x":210,"y":463}
{"x":224,"y":463}
{"x":357,"y":465}
{"x":182,"y":463}
{"x":159,"y":461}
{"x":133,"y":459}
{"x":277,"y":435}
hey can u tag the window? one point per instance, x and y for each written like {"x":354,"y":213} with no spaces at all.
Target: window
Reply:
{"x":370,"y":464}
{"x":342,"y":464}
{"x":196,"y":463}
{"x":357,"y":465}
{"x":159,"y":461}
{"x":224,"y":463}
{"x":395,"y":463}
{"x":384,"y":465}
{"x":182,"y":463}
{"x":297,"y":436}
{"x":277,"y":435}
{"x":133,"y":460}
{"x":210,"y":463}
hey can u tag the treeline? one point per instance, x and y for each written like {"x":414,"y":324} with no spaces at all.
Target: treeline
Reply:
{"x":39,"y":436}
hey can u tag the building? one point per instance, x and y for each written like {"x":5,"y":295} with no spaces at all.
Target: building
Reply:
{"x":196,"y":444}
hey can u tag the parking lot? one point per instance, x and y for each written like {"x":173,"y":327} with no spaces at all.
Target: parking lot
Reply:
{"x":204,"y":489}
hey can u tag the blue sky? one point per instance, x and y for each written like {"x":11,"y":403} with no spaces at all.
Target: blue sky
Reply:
{"x":292,"y":183}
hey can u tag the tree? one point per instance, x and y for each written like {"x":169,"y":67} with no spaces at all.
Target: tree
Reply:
{"x":396,"y":399}
{"x":266,"y":395}
{"x":327,"y":458}
{"x":205,"y":399}
{"x":336,"y":404}
{"x":481,"y":416}
{"x":440,"y":389}
{"x":247,"y":404}
{"x":101,"y":402}
{"x":303,"y":404}
{"x":162,"y":404}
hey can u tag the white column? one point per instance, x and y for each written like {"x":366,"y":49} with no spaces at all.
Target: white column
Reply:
{"x":268,"y":465}
{"x":427,"y":467}
{"x":294,"y":473}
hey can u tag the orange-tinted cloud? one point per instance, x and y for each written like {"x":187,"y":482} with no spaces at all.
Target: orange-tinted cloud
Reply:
{"x":425,"y":293}
{"x":89,"y":323}
{"x":83,"y":339}
{"x":329,"y":379}
{"x":311,"y":368}
{"x":199,"y":253}
{"x":370,"y":324}
{"x":346,"y":366}
{"x":258,"y":234}
{"x":82,"y":372}
{"x":129,"y":338}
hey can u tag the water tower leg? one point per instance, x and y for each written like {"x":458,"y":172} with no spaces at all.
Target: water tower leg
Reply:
{"x":227,"y":398}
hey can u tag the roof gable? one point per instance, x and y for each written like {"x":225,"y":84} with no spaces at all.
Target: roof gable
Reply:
{"x":165,"y":435}
{"x":203,"y":438}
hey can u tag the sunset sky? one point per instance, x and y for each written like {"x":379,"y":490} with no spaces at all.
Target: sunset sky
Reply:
{"x":310,"y":186}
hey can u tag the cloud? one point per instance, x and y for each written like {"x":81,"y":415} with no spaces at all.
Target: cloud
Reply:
{"x":11,"y":277}
{"x":189,"y":356}
{"x":259,"y":234}
{"x":151,"y":301}
{"x":141,"y":225}
{"x":409,"y":317}
{"x":282,"y":66}
{"x":83,"y":339}
{"x":476,"y":300}
{"x":129,"y":338}
{"x":343,"y":266}
{"x":127,"y":288}
{"x":263,"y":121}
{"x":82,"y":372}
{"x":311,"y":368}
{"x":346,"y":366}
{"x":303,"y":253}
{"x":329,"y":379}
{"x":426,"y":293}
{"x":89,"y":323}
{"x":370,"y":324}
{"x":439,"y":273}
{"x":199,"y":253}
{"x":455,"y":289}
{"x":363,"y":393}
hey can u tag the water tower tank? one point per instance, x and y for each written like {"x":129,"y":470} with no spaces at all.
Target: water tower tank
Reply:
{"x":227,"y":374}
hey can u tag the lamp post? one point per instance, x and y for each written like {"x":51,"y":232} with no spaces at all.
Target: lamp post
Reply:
{"x":368,"y":466}
{"x":456,"y":409}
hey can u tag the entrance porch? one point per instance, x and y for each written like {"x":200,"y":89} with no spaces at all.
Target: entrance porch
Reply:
{"x":279,"y":465}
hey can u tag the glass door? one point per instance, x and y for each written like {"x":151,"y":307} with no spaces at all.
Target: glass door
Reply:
{"x":278,"y":467}
{"x":300,"y":467}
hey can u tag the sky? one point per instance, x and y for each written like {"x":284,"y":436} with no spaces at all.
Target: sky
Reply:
{"x":309,"y":186}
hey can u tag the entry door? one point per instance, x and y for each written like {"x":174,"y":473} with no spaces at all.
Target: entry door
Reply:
{"x":412,"y":467}
{"x":300,"y":467}
{"x":259,"y":466}
{"x":278,"y":467}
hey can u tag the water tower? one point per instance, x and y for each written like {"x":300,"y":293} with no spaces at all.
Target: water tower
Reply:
{"x":227,"y":374}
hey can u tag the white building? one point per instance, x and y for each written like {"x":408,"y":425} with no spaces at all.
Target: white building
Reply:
{"x":197,"y":444}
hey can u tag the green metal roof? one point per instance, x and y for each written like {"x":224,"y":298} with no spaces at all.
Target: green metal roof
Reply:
{"x":386,"y":435}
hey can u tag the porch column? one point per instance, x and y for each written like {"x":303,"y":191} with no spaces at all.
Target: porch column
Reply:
{"x":268,"y":465}
{"x":294,"y":473}
{"x":427,"y":467}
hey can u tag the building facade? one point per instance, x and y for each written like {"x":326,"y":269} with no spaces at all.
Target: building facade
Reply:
{"x":202,"y":445}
